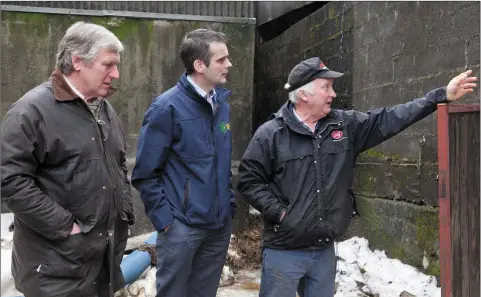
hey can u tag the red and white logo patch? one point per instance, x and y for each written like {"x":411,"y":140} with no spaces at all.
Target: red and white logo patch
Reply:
{"x":336,"y":134}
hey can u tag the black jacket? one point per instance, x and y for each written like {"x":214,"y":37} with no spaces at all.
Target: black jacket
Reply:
{"x":310,"y":175}
{"x":60,"y":165}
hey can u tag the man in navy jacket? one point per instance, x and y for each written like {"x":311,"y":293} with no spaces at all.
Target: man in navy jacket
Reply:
{"x":182,"y":170}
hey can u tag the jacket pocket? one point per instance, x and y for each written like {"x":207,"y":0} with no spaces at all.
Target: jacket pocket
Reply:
{"x":290,"y":219}
{"x":54,"y":266}
{"x":336,"y":163}
{"x":287,"y":220}
{"x":319,"y":233}
{"x":69,"y":258}
{"x":197,"y":202}
{"x":186,"y":195}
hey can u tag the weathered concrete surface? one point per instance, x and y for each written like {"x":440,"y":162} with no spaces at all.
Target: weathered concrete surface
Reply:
{"x":149,"y":66}
{"x":396,"y":177}
{"x":404,"y":230}
{"x":390,"y":52}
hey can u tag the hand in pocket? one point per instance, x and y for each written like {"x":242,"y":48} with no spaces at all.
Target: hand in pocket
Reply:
{"x":75,"y":229}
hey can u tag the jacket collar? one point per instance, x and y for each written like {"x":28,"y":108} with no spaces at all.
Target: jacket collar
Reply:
{"x":221,"y":92}
{"x":63,"y":92}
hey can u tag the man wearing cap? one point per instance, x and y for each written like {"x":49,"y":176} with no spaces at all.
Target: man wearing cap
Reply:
{"x":298,"y":172}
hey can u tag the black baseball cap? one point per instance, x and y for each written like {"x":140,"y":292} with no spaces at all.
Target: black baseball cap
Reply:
{"x":308,"y":70}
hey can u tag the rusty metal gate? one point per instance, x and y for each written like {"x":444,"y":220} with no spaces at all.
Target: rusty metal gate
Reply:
{"x":459,"y":212}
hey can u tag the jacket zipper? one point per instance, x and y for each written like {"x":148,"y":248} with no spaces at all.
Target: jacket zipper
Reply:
{"x":215,"y":168}
{"x":215,"y":157}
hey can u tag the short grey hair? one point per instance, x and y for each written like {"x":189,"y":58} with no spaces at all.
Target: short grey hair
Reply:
{"x":294,"y":95}
{"x":85,"y":40}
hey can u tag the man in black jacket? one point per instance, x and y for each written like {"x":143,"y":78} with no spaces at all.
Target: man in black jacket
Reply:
{"x":64,"y":173}
{"x":298,"y":172}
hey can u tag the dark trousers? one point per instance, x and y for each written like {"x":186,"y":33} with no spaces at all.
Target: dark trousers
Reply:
{"x":190,"y":260}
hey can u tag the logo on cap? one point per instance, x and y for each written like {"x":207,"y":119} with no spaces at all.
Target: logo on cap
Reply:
{"x":336,"y":134}
{"x":322,"y":66}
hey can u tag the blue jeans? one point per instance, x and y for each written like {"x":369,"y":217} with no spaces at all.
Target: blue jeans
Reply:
{"x":190,"y":260}
{"x":309,"y":273}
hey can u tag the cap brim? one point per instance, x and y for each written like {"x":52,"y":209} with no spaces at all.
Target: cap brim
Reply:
{"x":329,"y":74}
{"x":320,"y":74}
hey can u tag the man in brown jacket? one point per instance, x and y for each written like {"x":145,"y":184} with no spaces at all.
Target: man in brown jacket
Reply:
{"x":64,"y":174}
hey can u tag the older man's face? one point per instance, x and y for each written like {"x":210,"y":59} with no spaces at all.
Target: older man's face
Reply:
{"x":98,"y":75}
{"x":320,"y":99}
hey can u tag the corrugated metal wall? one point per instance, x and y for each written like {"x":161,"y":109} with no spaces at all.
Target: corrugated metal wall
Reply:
{"x":241,"y":9}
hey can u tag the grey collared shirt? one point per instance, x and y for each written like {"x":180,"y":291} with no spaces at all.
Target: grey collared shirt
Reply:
{"x":209,"y":97}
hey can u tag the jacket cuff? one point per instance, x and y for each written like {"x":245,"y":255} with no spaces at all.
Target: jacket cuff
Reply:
{"x":63,"y":233}
{"x":128,"y":216}
{"x":437,"y":96}
{"x":162,"y":218}
{"x":84,"y":228}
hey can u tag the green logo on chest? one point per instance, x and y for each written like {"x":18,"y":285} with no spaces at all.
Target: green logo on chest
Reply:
{"x":224,"y":127}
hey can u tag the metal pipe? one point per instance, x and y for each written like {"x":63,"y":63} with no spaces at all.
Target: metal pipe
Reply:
{"x":137,"y":262}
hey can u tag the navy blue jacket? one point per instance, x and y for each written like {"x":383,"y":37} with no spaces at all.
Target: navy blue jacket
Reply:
{"x":183,"y":162}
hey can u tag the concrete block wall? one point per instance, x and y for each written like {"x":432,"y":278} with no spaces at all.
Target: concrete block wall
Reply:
{"x":391,"y":52}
